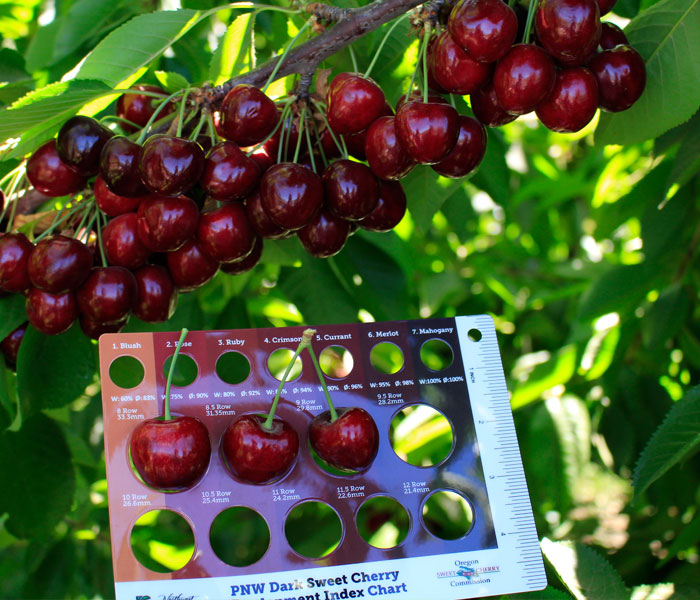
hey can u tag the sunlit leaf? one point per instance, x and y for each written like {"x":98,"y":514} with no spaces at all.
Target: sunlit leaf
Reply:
{"x":555,"y":371}
{"x":233,"y":54}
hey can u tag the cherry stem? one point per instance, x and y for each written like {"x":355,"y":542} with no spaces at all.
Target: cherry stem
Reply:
{"x":155,"y":114}
{"x":322,"y":379}
{"x":339,"y":141}
{"x":381,"y":44}
{"x":120,"y":120}
{"x":270,"y":79}
{"x":307,"y":133}
{"x":286,"y":111}
{"x":181,"y":118}
{"x":302,"y":119}
{"x":320,"y":143}
{"x":99,"y":235}
{"x":528,"y":24}
{"x":171,"y":371}
{"x":195,"y":133}
{"x":90,"y":225}
{"x":421,"y":47}
{"x":81,"y":225}
{"x":424,"y":57}
{"x":59,"y":219}
{"x":353,"y":58}
{"x":211,"y":129}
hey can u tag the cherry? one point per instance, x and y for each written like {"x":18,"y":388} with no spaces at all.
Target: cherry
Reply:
{"x":51,"y":313}
{"x":94,"y":330}
{"x":468,"y":151}
{"x":291,"y":195}
{"x":568,"y":30}
{"x":139,"y":108}
{"x":350,"y":443}
{"x":10,"y":345}
{"x":50,"y":175}
{"x":605,"y":6}
{"x":485,"y":29}
{"x":80,"y":142}
{"x":59,"y":264}
{"x":261,"y":221}
{"x":157,"y":296}
{"x":350,"y":188}
{"x":427,"y":130}
{"x":572,"y":102}
{"x":119,"y":167}
{"x":453,"y":69}
{"x":225,"y":233}
{"x":122,"y":245}
{"x":110,"y":203}
{"x":523,"y":77}
{"x":257,"y":454}
{"x":228,"y":173}
{"x":15,"y":250}
{"x":354,"y":103}
{"x":108,"y":295}
{"x":165,"y":224}
{"x":416,"y":96}
{"x":621,"y":75}
{"x":390,"y":208}
{"x":191,"y":267}
{"x":386,"y":156}
{"x":325,"y":235}
{"x":170,"y":165}
{"x":487,"y":108}
{"x":248,"y":116}
{"x":611,"y":35}
{"x":245,"y":264}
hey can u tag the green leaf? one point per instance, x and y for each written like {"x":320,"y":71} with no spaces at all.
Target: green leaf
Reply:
{"x":687,"y":162}
{"x":12,"y":314}
{"x":38,"y":477}
{"x":667,"y":36}
{"x":573,"y":425}
{"x":556,"y":370}
{"x":676,"y":438}
{"x":665,"y":591}
{"x":171,"y":82}
{"x":425,"y":193}
{"x":233,"y":55}
{"x":584,"y":572}
{"x":687,"y":537}
{"x":548,"y":593}
{"x":666,"y":316}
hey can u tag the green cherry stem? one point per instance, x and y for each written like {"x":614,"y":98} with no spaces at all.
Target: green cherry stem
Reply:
{"x":302,"y":118}
{"x":528,"y":24}
{"x":155,"y":114}
{"x":171,"y":371}
{"x":271,"y":78}
{"x":181,"y":118}
{"x":424,"y":57}
{"x":307,"y":133}
{"x":98,"y":228}
{"x":322,"y":379}
{"x":381,"y":44}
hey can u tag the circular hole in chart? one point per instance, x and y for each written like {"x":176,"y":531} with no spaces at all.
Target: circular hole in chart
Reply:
{"x":336,"y":362}
{"x":436,"y":354}
{"x":474,"y":335}
{"x":447,"y":515}
{"x":233,"y":367}
{"x":162,"y":541}
{"x":239,"y":536}
{"x":126,"y":372}
{"x":421,"y":435}
{"x":185,"y":371}
{"x":387,"y":358}
{"x":382,"y":522}
{"x":279,"y":361}
{"x":316,"y":517}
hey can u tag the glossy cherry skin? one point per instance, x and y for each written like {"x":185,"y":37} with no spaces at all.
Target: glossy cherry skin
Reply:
{"x":225,"y":233}
{"x":428,"y":131}
{"x":454,"y":70}
{"x":390,"y":208}
{"x":354,"y":103}
{"x":10,"y":345}
{"x":170,"y":165}
{"x":325,"y":236}
{"x":350,"y":443}
{"x":351,"y":189}
{"x":191,"y":267}
{"x":522,"y":78}
{"x":59,"y":264}
{"x":165,"y":224}
{"x":228,"y":173}
{"x":605,"y":6}
{"x":170,"y":455}
{"x":245,"y":264}
{"x":80,"y":142}
{"x":139,"y":108}
{"x":119,"y":167}
{"x":568,"y":30}
{"x":485,"y":29}
{"x":611,"y":35}
{"x":122,"y":245}
{"x":416,"y":96}
{"x":291,"y":195}
{"x":261,"y":222}
{"x":51,"y":313}
{"x":94,"y":330}
{"x":468,"y":151}
{"x":386,"y":156}
{"x":15,"y":250}
{"x":248,"y":116}
{"x":621,"y":75}
{"x":572,"y":103}
{"x":108,"y":295}
{"x":50,"y":175}
{"x":157,"y":296}
{"x":258,"y":455}
{"x":110,"y":203}
{"x":487,"y":108}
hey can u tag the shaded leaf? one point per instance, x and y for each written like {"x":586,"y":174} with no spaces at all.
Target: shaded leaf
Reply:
{"x":425,"y":193}
{"x":666,"y":316}
{"x":665,"y":591}
{"x":12,"y":314}
{"x":687,"y":162}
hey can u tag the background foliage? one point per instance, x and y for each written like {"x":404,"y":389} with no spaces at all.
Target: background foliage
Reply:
{"x":583,"y":247}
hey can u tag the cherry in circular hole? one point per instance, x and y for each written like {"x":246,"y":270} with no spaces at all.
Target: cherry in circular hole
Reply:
{"x":50,"y":175}
{"x":572,"y":103}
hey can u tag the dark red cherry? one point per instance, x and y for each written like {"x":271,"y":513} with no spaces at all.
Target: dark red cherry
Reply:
{"x":228,"y":173}
{"x":354,"y":104}
{"x":350,"y":188}
{"x":522,"y":78}
{"x":428,"y":131}
{"x":248,"y":116}
{"x":122,"y":245}
{"x":59,"y":264}
{"x":50,"y":175}
{"x":51,"y":313}
{"x":454,"y":70}
{"x":484,"y":28}
{"x":170,"y":165}
{"x":621,"y":75}
{"x":165,"y":223}
{"x":110,"y":203}
{"x":389,"y":210}
{"x":108,"y":294}
{"x":468,"y":151}
{"x":15,"y":250}
{"x":605,"y":6}
{"x":416,"y":96}
{"x":386,"y":156}
{"x":191,"y":267}
{"x":568,"y":30}
{"x":487,"y":108}
{"x":611,"y":35}
{"x":291,"y":195}
{"x":80,"y":142}
{"x":572,"y":102}
{"x":10,"y":345}
{"x":94,"y":330}
{"x":119,"y":167}
{"x":139,"y":108}
{"x":157,"y":296}
{"x":245,"y":264}
{"x":260,"y":220}
{"x":225,"y":233}
{"x":325,"y":235}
